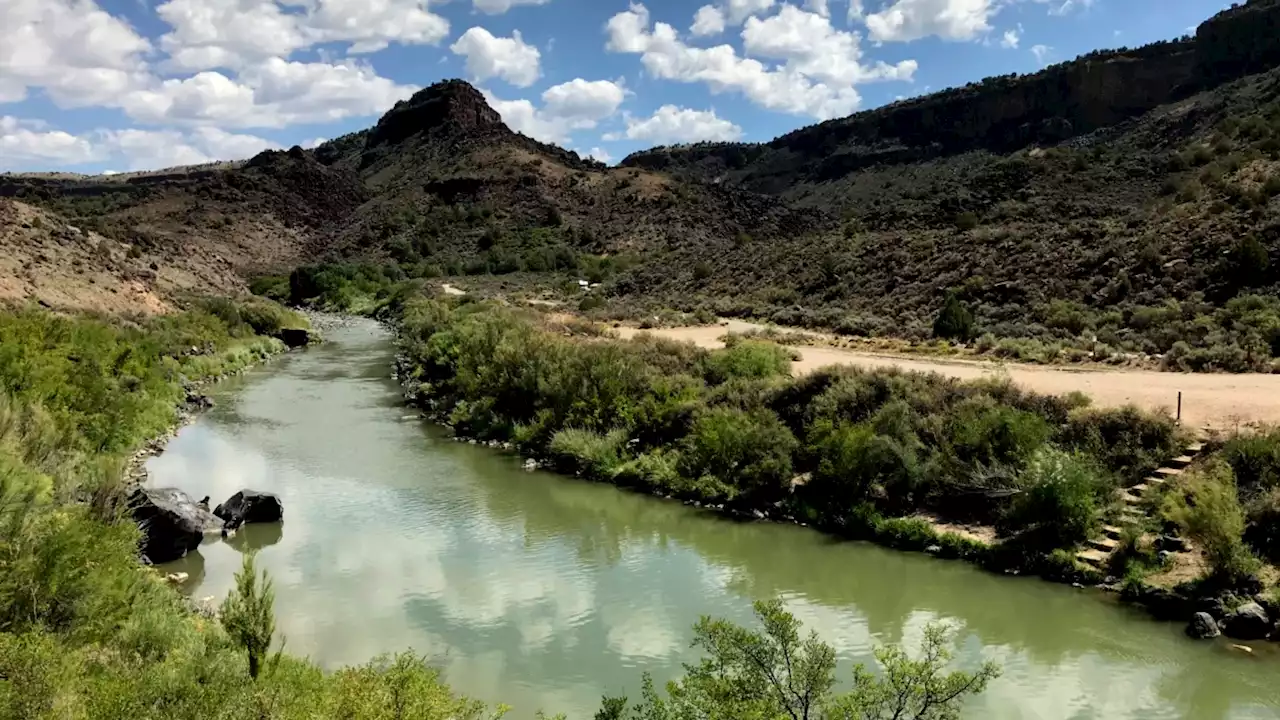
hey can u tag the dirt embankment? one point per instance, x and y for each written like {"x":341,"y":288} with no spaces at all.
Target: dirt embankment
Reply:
{"x":1212,"y":401}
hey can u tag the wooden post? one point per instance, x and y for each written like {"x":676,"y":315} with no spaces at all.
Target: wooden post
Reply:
{"x":1179,"y":407}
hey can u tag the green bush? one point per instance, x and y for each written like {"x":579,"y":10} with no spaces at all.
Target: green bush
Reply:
{"x":1255,"y":461}
{"x":748,"y":359}
{"x":854,"y":459}
{"x":1208,"y":510}
{"x":747,"y":451}
{"x":954,"y":321}
{"x":591,"y":453}
{"x":1061,"y":495}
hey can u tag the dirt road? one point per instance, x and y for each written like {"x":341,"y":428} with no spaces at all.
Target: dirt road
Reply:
{"x":1215,"y":401}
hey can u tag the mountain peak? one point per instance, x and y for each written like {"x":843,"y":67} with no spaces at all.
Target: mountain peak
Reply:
{"x":452,"y":107}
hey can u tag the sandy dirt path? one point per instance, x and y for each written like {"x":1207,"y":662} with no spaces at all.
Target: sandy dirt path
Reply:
{"x":1219,"y":402}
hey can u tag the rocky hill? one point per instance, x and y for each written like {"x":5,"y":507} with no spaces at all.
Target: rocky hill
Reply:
{"x":1075,"y":201}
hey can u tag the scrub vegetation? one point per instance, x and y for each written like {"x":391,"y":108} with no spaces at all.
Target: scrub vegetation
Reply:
{"x":860,"y":452}
{"x":87,"y":632}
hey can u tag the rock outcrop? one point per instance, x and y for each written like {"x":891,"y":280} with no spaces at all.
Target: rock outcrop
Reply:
{"x":172,"y":523}
{"x":1247,"y":622}
{"x":1203,"y":626}
{"x":295,"y":337}
{"x":250,"y":506}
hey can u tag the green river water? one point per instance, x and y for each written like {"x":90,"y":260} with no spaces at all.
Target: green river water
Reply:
{"x":546,"y":592}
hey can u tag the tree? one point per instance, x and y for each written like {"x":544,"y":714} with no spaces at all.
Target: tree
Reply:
{"x":774,"y":674}
{"x":248,"y":616}
{"x":954,"y":321}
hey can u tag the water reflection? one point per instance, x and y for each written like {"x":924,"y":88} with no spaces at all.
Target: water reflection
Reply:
{"x":546,"y":592}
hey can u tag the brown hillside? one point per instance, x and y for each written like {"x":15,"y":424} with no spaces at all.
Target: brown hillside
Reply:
{"x":1078,"y":201}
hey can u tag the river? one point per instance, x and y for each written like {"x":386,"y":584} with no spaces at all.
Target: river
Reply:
{"x":546,"y":592}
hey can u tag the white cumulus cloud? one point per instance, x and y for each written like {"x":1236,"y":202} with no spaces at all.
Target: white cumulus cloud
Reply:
{"x":207,"y":34}
{"x":709,"y":20}
{"x":906,"y":20}
{"x":671,"y":124}
{"x":31,"y":144}
{"x":816,"y":78}
{"x":738,"y":10}
{"x":274,"y":93}
{"x":1011,"y":39}
{"x":497,"y":7}
{"x":487,"y":56}
{"x":1041,"y":52}
{"x":575,"y":105}
{"x":73,"y":49}
{"x":23,"y":142}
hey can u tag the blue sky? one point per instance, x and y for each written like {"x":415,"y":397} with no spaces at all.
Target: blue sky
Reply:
{"x":116,"y":85}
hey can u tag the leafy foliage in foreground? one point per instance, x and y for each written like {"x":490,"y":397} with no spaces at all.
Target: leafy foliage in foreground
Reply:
{"x":776,"y":673}
{"x":728,"y":426}
{"x":87,"y":633}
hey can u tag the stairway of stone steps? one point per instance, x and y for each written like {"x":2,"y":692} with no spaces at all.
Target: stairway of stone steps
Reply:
{"x":1100,"y":548}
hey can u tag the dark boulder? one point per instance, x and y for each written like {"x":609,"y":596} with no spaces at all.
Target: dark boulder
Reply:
{"x":294,"y":337}
{"x":1203,"y":626}
{"x":1171,"y":543}
{"x":172,"y":523}
{"x":1247,"y":622}
{"x":250,"y":506}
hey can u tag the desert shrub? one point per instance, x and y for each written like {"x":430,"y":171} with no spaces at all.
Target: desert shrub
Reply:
{"x":1208,"y":510}
{"x":982,"y":432}
{"x":954,"y":321}
{"x":1126,"y":441}
{"x":591,"y":453}
{"x":748,"y":451}
{"x":1262,"y":528}
{"x":748,"y":359}
{"x":966,"y":221}
{"x":1061,"y":494}
{"x":1255,"y":460}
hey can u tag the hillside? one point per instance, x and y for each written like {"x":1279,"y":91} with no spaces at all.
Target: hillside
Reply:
{"x":1069,"y":205}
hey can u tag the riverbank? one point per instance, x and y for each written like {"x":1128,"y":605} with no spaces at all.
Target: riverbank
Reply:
{"x":83,"y":628}
{"x":547,"y":591}
{"x":864,"y":454}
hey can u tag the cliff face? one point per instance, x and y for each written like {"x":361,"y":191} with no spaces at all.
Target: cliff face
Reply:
{"x":999,"y":114}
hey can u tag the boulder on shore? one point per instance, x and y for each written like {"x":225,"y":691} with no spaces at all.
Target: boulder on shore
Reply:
{"x":250,"y":506}
{"x":1247,"y":622}
{"x":172,"y":523}
{"x":1203,"y":626}
{"x":294,"y":337}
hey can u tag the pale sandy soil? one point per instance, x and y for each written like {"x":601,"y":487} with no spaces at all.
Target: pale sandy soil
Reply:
{"x":1214,"y":401}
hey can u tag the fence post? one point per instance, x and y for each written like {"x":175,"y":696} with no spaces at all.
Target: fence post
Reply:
{"x":1179,"y":407}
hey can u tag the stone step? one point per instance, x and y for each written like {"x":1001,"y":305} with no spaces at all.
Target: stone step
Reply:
{"x":1112,"y":531}
{"x":1130,"y":516}
{"x":1195,"y":448}
{"x":1105,"y":544}
{"x":1181,"y":461}
{"x":1130,"y":499}
{"x":1093,"y":556}
{"x":1138,"y":489}
{"x":1169,"y":472}
{"x":1155,"y":480}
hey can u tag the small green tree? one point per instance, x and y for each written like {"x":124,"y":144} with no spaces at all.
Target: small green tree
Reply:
{"x":954,"y":321}
{"x":1209,"y":511}
{"x":775,"y":674}
{"x":248,"y":616}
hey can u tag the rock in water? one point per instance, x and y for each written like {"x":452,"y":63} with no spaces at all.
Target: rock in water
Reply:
{"x":295,"y":337}
{"x":1248,"y":622}
{"x":1203,"y":626}
{"x":172,"y":523}
{"x":250,"y":506}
